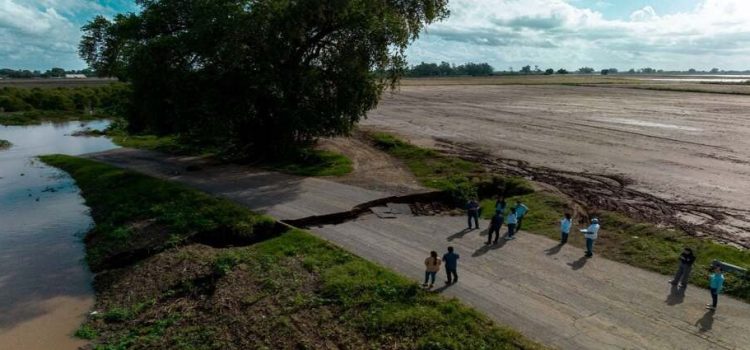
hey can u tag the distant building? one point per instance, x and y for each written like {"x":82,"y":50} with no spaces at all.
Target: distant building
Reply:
{"x":75,"y":76}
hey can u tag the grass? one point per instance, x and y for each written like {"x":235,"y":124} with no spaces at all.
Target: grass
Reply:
{"x":38,"y":117}
{"x":312,"y":162}
{"x":462,"y":179}
{"x":305,"y":162}
{"x":622,"y":239}
{"x":135,"y":212}
{"x":5,"y":144}
{"x":288,"y":291}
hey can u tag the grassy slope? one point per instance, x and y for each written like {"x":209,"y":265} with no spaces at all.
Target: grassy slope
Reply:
{"x":290,"y":291}
{"x":636,"y":243}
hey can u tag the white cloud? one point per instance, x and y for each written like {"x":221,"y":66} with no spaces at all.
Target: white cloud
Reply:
{"x":40,"y":34}
{"x":558,"y":33}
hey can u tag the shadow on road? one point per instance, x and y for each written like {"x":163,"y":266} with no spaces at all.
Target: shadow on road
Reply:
{"x":554,"y":250}
{"x":676,"y":296}
{"x":442,"y":289}
{"x":579,"y":264}
{"x":706,"y":322}
{"x":459,"y":234}
{"x":481,"y":251}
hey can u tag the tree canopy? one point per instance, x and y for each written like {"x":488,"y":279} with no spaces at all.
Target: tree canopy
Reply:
{"x":446,"y":69}
{"x":262,"y":75}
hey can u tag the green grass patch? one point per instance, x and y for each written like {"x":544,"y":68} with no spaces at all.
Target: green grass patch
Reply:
{"x":5,"y":144}
{"x":135,"y":212}
{"x":462,"y":179}
{"x":622,"y":239}
{"x":312,"y":162}
{"x":290,"y":291}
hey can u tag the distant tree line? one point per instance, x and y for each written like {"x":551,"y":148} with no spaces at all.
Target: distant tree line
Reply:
{"x":445,"y":69}
{"x":50,"y":73}
{"x":107,"y":99}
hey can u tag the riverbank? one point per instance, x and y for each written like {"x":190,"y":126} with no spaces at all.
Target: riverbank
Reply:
{"x":178,"y":267}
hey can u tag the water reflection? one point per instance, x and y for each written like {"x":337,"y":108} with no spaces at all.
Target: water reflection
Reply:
{"x":41,"y":218}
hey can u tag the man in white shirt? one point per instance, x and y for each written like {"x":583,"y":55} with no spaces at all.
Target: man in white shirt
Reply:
{"x":591,"y":234}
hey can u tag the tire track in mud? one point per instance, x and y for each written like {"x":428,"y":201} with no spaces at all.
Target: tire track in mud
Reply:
{"x":612,"y":192}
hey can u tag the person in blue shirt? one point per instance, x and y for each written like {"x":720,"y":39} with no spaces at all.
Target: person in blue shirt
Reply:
{"x":591,"y":234}
{"x":715,"y":283}
{"x":511,"y":220}
{"x":500,"y":205}
{"x":472,"y":211}
{"x":565,"y":224}
{"x":495,"y":224}
{"x":521,"y":211}
{"x":450,"y":259}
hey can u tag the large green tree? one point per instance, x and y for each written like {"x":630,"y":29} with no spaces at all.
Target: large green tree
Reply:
{"x":263,"y":75}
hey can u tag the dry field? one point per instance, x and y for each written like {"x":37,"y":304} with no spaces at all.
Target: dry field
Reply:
{"x":679,"y":157}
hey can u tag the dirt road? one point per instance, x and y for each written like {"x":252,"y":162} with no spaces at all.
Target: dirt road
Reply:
{"x":549,"y":294}
{"x":688,"y":149}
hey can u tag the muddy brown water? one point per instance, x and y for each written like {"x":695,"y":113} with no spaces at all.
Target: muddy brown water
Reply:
{"x":45,"y":287}
{"x":677,"y":156}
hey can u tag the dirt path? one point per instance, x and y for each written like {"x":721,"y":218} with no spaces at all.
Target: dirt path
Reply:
{"x":685,"y":152}
{"x":373,"y":169}
{"x":548,"y":294}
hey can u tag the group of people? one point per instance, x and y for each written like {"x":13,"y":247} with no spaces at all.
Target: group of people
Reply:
{"x":715,"y":280}
{"x":514,"y":220}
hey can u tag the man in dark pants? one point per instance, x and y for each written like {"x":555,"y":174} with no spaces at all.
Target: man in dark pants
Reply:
{"x":495,"y":225}
{"x":450,"y":259}
{"x":472,"y":211}
{"x":687,"y":258}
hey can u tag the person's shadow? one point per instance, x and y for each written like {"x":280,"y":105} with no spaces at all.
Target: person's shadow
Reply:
{"x":706,"y":322}
{"x":554,"y":250}
{"x":676,"y":296}
{"x":459,"y":234}
{"x":486,"y":248}
{"x":443,"y":288}
{"x":579,"y":264}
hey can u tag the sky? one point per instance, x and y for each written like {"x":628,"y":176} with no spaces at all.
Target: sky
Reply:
{"x":623,"y":34}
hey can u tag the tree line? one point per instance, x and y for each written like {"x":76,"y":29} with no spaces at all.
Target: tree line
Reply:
{"x":107,"y":99}
{"x":445,"y":69}
{"x":50,"y":73}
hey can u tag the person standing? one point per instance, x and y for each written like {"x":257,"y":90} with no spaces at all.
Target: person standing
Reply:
{"x":511,"y":220}
{"x":715,"y":282}
{"x":472,"y":211}
{"x":591,"y":234}
{"x":521,"y":211}
{"x":565,"y":224}
{"x":495,"y":224}
{"x":500,"y":205}
{"x":451,"y":266}
{"x":432,"y":266}
{"x":687,"y":258}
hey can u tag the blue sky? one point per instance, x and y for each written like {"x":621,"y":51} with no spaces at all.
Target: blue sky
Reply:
{"x":666,"y":34}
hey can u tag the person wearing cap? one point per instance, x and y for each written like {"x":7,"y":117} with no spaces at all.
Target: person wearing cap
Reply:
{"x":521,"y":211}
{"x":565,"y":225}
{"x":715,"y":283}
{"x":687,"y":258}
{"x":591,"y":234}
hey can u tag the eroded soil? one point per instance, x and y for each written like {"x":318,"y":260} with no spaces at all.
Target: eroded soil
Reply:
{"x":672,"y":157}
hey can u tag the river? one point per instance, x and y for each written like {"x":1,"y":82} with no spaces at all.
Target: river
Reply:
{"x":45,"y":286}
